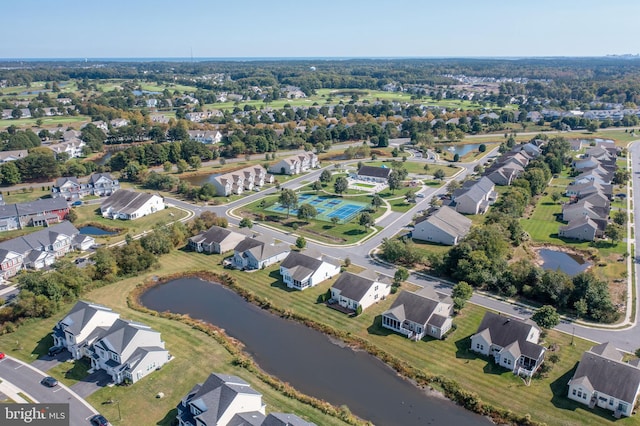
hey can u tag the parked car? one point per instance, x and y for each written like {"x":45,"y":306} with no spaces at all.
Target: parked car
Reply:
{"x":99,"y":420}
{"x":76,"y":203}
{"x":80,"y":260}
{"x":2,"y":355}
{"x":55,"y":350}
{"x":49,"y":382}
{"x":420,"y":195}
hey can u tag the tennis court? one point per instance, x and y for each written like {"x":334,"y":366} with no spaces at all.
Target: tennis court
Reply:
{"x":327,"y":207}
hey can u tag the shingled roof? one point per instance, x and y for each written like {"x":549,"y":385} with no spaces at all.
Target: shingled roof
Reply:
{"x":601,"y":369}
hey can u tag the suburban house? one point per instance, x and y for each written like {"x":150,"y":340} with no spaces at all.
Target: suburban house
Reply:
{"x":258,"y":253}
{"x":42,"y":212}
{"x":581,"y":228}
{"x":73,"y":147}
{"x":41,"y":248}
{"x":6,"y":156}
{"x":475,"y":197}
{"x":513,"y":343}
{"x":444,"y":225}
{"x":103,"y":184}
{"x":68,"y":188}
{"x":71,"y":189}
{"x":79,"y":329}
{"x":205,"y":136}
{"x":215,"y":240}
{"x":228,"y":400}
{"x":359,"y":290}
{"x":301,"y":270}
{"x":230,"y":183}
{"x":10,"y":263}
{"x":130,"y":205}
{"x":372,"y":174}
{"x":583,"y":208}
{"x":582,"y":190}
{"x":295,"y":164}
{"x":415,"y":315}
{"x":603,"y":379}
{"x":598,"y":174}
{"x":505,"y":175}
{"x":128,"y":351}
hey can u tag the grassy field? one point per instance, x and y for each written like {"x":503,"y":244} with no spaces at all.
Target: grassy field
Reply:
{"x":32,"y":193}
{"x":91,"y":214}
{"x":48,"y":122}
{"x":417,"y":168}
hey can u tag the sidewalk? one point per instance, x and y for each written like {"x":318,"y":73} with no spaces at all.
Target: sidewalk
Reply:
{"x":12,"y":392}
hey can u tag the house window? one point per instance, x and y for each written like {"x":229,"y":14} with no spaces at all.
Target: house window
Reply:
{"x":574,"y":392}
{"x":579,"y":394}
{"x":479,"y":346}
{"x":584,"y":395}
{"x":375,"y":288}
{"x":375,"y":296}
{"x":611,"y":401}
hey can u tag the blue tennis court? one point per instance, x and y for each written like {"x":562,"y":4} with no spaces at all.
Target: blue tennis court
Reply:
{"x":327,"y":207}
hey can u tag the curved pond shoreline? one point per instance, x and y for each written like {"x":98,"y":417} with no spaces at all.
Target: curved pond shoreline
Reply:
{"x":419,"y":378}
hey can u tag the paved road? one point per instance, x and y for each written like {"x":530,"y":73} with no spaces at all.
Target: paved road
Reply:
{"x":28,"y":379}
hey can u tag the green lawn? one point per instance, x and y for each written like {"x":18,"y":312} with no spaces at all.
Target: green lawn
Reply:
{"x":32,"y":193}
{"x":90,"y":214}
{"x":58,"y":121}
{"x":416,"y":167}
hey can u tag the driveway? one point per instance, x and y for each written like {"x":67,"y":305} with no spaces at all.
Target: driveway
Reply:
{"x":93,"y":382}
{"x":46,"y":362}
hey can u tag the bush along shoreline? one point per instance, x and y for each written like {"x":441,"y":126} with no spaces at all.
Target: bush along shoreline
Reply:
{"x":422,"y":380}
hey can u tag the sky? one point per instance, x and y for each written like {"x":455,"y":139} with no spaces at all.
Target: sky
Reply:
{"x":325,"y":28}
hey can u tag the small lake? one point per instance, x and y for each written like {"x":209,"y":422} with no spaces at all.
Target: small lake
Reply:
{"x":308,"y":360}
{"x":199,"y":180}
{"x":95,"y":231}
{"x":104,"y":159}
{"x":571,"y":264}
{"x":144,"y":92}
{"x":462,"y":149}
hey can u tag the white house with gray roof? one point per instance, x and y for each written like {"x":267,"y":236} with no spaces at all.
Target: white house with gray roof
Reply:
{"x":603,"y":379}
{"x":295,"y":164}
{"x":258,"y":253}
{"x":128,"y":351}
{"x":301,"y":270}
{"x":228,"y":400}
{"x":444,"y":225}
{"x":7,"y":156}
{"x":79,"y":329}
{"x":475,"y":197}
{"x":363,"y":289}
{"x":130,"y":205}
{"x":418,"y":314}
{"x":216,"y":240}
{"x":513,"y":343}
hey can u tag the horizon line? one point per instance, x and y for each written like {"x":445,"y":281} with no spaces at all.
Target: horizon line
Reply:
{"x":264,"y":58}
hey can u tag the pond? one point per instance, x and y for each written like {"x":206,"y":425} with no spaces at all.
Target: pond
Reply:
{"x":104,"y":159}
{"x":569,"y":263}
{"x":308,"y":359}
{"x":199,"y":180}
{"x":462,"y":149}
{"x":94,"y":230}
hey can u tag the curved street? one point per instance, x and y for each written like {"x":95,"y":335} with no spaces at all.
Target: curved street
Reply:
{"x":25,"y":379}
